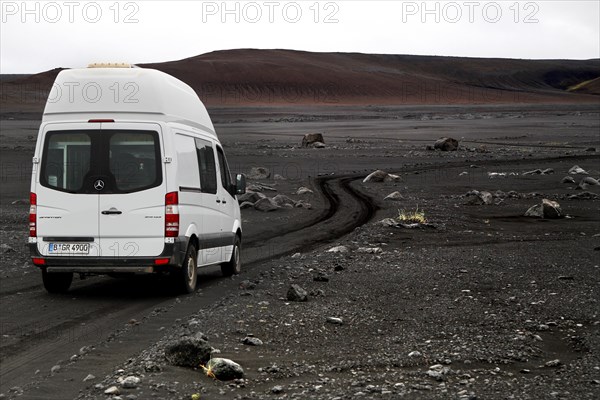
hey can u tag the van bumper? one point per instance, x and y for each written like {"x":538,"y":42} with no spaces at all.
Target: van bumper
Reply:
{"x":174,"y":252}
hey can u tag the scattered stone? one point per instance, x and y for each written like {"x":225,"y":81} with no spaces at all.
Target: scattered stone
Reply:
{"x":55,"y":369}
{"x":131,"y":382}
{"x":568,"y":179}
{"x":113,"y":390}
{"x":303,"y":204}
{"x":311,"y":138}
{"x":6,"y":248}
{"x":463,"y":173}
{"x":296,"y":255}
{"x":584,"y":196}
{"x":296,"y":293}
{"x":266,"y":205}
{"x":89,"y":377}
{"x":548,"y":171}
{"x":389,"y":222}
{"x":277,"y":389}
{"x":257,"y":173}
{"x":303,"y":190}
{"x":370,"y":250}
{"x":577,"y":170}
{"x":20,"y":201}
{"x":553,"y":363}
{"x":251,"y":197}
{"x":247,"y":285}
{"x":246,"y":204}
{"x":338,"y":249}
{"x":591,"y":149}
{"x":317,"y":145}
{"x":252,"y":341}
{"x":335,"y":321}
{"x":475,"y":197}
{"x":321,"y":277}
{"x":225,"y":369}
{"x":381,"y":176}
{"x":282,"y":200}
{"x":586,"y":182}
{"x":188,"y":352}
{"x":446,"y":144}
{"x":395,"y":196}
{"x":534,"y":172}
{"x":278,"y":177}
{"x":415,"y":354}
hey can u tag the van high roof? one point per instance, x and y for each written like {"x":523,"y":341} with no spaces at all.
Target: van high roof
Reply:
{"x":124,"y":94}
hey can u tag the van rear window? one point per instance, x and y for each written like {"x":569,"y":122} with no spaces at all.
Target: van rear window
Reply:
{"x":125,"y":161}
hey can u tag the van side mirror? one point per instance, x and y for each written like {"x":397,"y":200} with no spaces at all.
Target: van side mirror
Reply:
{"x":240,"y":184}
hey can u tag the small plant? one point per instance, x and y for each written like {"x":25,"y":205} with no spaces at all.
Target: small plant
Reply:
{"x":208,"y":371}
{"x":412,"y":217}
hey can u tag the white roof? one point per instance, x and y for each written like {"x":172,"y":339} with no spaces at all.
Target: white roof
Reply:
{"x":113,"y":92}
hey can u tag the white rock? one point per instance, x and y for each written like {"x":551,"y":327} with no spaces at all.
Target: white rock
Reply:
{"x":370,"y":250}
{"x":113,"y":390}
{"x":55,"y":369}
{"x":577,"y":170}
{"x":89,"y":378}
{"x":395,"y":196}
{"x":303,"y":190}
{"x":130,"y":382}
{"x":338,"y":249}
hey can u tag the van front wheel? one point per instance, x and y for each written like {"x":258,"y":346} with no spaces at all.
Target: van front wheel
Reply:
{"x":188,"y":275}
{"x":234,"y":266}
{"x":58,"y":282}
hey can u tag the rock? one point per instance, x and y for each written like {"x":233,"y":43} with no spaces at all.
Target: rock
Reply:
{"x":591,"y":149}
{"x":395,"y":196}
{"x":338,"y":249}
{"x":266,"y":205}
{"x":89,"y":377}
{"x":20,"y":201}
{"x":246,"y":204}
{"x":335,"y":321}
{"x":317,"y":145}
{"x":303,"y":190}
{"x":586,"y":182}
{"x":548,"y":171}
{"x":311,"y":138}
{"x":296,"y":293}
{"x":251,"y":197}
{"x":463,"y":173}
{"x":553,"y":364}
{"x":370,"y":250}
{"x":381,"y":176}
{"x":282,"y":199}
{"x":258,"y":187}
{"x":296,"y":255}
{"x":257,"y":173}
{"x":389,"y":222}
{"x":113,"y":390}
{"x":131,"y":382}
{"x":321,"y":277}
{"x":55,"y":369}
{"x":188,"y":352}
{"x":303,"y":204}
{"x":252,"y":341}
{"x":5,"y":248}
{"x":534,"y":172}
{"x":277,"y":389}
{"x":225,"y":369}
{"x":278,"y":177}
{"x":548,"y":209}
{"x":577,"y":170}
{"x":584,"y":196}
{"x":568,"y":179}
{"x":415,"y":354}
{"x":475,"y":197}
{"x":247,"y":285}
{"x":150,"y":366}
{"x":446,"y":144}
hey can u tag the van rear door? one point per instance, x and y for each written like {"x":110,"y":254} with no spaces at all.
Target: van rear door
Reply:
{"x":67,"y":203}
{"x":132,"y":204}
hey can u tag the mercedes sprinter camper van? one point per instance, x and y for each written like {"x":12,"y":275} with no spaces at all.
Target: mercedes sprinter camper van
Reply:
{"x":128,"y":177}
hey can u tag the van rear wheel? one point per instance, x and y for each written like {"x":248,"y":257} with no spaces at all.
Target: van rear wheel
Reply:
{"x":234,"y":266}
{"x":187,"y":276}
{"x":58,"y":282}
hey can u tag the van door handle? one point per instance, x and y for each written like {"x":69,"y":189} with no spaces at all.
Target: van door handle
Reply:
{"x":224,"y":202}
{"x":218,"y":201}
{"x":111,"y":212}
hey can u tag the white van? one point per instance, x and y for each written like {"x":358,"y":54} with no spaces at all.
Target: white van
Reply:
{"x":129,"y":177}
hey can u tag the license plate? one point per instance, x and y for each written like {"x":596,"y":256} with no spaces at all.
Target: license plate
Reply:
{"x":69,"y":248}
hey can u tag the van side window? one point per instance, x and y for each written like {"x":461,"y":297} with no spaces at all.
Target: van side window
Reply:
{"x":206,"y":164}
{"x":224,"y":168}
{"x":67,"y":160}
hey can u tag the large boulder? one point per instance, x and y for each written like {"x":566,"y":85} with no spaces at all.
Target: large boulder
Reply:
{"x":266,"y":204}
{"x":311,"y":138}
{"x":225,"y":369}
{"x":281,"y":200}
{"x":296,"y":293}
{"x":547,"y":209}
{"x":252,"y":197}
{"x":577,"y":170}
{"x":257,"y":173}
{"x":188,"y":352}
{"x":586,"y":182}
{"x":446,"y":144}
{"x":381,"y":176}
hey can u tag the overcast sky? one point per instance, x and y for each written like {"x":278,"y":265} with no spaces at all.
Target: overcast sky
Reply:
{"x":44,"y":35}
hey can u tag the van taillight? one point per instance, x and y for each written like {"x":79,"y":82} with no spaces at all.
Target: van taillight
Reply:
{"x":32,"y":215}
{"x":172,"y":214}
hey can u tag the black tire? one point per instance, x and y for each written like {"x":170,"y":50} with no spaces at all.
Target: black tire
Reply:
{"x":58,"y":282}
{"x":234,"y":266}
{"x":187,"y":276}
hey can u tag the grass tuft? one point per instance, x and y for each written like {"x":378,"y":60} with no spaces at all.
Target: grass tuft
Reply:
{"x":412,"y":217}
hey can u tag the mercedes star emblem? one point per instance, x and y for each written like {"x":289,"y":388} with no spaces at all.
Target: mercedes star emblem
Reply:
{"x":99,"y":185}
